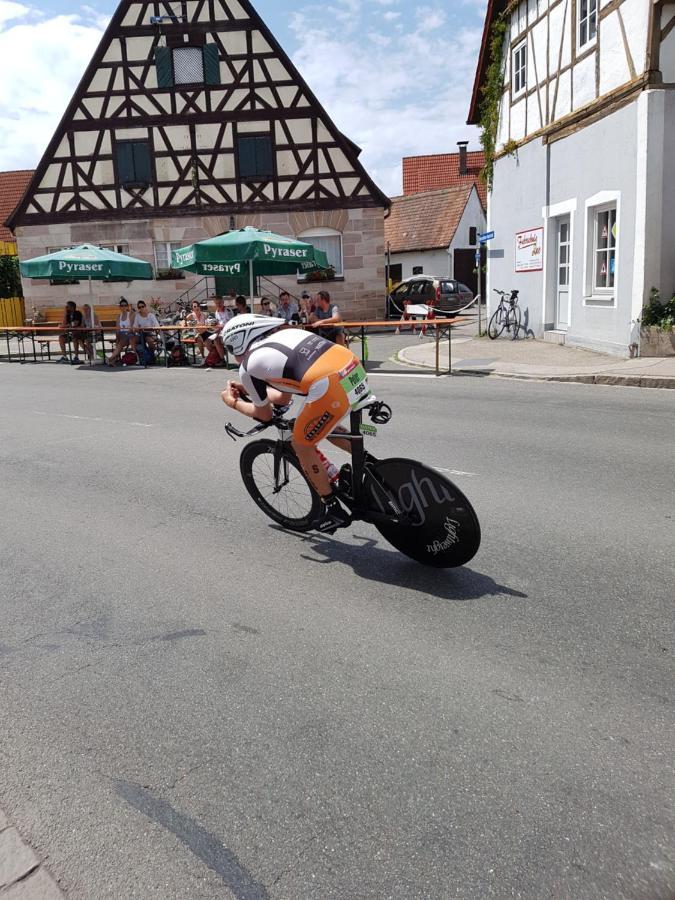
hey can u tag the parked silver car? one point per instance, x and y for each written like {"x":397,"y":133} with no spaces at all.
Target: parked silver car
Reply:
{"x":450,"y":296}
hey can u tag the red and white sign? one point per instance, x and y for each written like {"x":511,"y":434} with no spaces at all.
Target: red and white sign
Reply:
{"x":530,"y":250}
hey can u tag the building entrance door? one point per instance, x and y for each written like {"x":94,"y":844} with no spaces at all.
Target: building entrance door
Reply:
{"x":562,"y":293}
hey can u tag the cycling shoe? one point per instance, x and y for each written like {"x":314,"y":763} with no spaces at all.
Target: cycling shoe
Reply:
{"x":334,"y":516}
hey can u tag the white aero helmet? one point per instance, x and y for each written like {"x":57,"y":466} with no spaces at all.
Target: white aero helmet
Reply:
{"x":239,"y":333}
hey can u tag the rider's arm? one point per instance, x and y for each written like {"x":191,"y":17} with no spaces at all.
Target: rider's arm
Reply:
{"x":232,"y":398}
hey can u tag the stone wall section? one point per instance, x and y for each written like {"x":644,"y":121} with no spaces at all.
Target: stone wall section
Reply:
{"x":360,"y":293}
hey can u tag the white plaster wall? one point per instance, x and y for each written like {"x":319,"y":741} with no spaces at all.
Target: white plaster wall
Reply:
{"x":579,"y":169}
{"x":666,"y":281}
{"x":583,"y":75}
{"x":667,"y":55}
{"x":433,"y":262}
{"x":517,"y":130}
{"x":614,"y":69}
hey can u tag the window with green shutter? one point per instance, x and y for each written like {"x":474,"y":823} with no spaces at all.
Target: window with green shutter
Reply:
{"x":187,"y":64}
{"x":255,"y":156}
{"x":134,"y":163}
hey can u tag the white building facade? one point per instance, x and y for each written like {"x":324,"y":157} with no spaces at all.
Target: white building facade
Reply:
{"x":583,"y":197}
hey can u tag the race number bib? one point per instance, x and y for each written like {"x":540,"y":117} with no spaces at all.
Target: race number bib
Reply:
{"x":354,"y":382}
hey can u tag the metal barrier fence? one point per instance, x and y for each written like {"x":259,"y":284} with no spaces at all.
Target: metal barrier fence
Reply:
{"x":40,"y":337}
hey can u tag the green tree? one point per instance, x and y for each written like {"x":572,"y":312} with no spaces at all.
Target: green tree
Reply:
{"x":10,"y":279}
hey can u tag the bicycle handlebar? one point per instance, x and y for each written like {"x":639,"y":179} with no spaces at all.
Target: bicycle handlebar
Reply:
{"x":378,"y":412}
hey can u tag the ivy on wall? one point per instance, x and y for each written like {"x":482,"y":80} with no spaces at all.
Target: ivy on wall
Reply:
{"x":491,"y":97}
{"x":10,"y":279}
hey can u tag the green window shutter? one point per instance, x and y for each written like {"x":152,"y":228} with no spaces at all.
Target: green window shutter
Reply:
{"x":164,"y":66}
{"x":246,"y":154}
{"x":263,"y":157}
{"x":142,"y":165}
{"x":125,"y":162}
{"x":211,"y":64}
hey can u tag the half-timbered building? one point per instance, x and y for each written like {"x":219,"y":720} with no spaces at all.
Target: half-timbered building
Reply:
{"x":190,"y":121}
{"x":583,"y":200}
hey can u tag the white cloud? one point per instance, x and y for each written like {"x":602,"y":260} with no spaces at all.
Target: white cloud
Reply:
{"x":43,"y":75}
{"x":410,"y":97}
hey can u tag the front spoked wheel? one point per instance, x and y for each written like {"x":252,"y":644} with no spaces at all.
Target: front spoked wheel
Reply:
{"x":442,"y":528}
{"x":496,"y":324}
{"x":277,"y":484}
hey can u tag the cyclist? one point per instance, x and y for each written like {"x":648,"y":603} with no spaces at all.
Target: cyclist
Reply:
{"x":275,"y":364}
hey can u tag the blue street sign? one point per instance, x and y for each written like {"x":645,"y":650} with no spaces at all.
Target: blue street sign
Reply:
{"x":484,"y":238}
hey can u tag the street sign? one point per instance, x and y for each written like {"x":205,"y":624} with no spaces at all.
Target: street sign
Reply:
{"x":484,"y":238}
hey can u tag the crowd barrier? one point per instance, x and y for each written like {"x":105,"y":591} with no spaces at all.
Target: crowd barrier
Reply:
{"x":40,"y":338}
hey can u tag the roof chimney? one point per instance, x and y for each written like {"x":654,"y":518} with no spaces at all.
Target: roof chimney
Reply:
{"x":463,"y":168}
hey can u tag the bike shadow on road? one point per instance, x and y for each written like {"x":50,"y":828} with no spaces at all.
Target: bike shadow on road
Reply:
{"x":375,"y":563}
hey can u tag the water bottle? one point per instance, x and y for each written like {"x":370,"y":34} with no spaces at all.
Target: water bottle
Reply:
{"x":331,"y":469}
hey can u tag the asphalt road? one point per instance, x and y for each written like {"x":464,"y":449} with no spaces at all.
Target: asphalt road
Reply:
{"x":195,"y":704}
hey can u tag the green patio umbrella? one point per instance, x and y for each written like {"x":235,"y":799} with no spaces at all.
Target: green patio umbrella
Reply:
{"x":90,"y":262}
{"x":261,"y":252}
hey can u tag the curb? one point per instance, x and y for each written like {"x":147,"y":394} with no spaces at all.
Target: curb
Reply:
{"x":643,"y":381}
{"x":22,"y":875}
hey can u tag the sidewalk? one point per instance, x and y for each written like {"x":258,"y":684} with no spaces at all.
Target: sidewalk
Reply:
{"x":22,"y":877}
{"x":539,"y":360}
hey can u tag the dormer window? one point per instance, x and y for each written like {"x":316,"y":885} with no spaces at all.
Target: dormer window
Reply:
{"x":187,"y":64}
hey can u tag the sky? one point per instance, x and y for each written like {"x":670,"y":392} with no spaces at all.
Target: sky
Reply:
{"x":394,"y":75}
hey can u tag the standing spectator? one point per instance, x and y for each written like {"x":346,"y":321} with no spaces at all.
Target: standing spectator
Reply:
{"x":287,"y":309}
{"x":124,"y":335}
{"x":145,"y":324}
{"x":72,"y":319}
{"x":329,"y":316}
{"x":91,"y":320}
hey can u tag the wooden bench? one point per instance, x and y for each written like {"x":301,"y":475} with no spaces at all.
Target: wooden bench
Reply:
{"x":53,"y":315}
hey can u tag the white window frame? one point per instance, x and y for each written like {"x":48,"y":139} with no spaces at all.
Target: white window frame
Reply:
{"x":324,"y":232}
{"x":519,"y":72}
{"x":593,"y":295}
{"x":167,"y":247}
{"x":588,"y":20}
{"x":116,"y":248}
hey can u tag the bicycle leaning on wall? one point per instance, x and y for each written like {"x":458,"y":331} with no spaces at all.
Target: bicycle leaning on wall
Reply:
{"x":506,"y":316}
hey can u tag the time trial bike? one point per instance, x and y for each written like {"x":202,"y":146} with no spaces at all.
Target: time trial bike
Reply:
{"x":416,"y":508}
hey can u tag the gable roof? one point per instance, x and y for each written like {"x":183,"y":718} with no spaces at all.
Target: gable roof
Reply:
{"x":13,"y":186}
{"x":494,"y":9}
{"x":426,"y":221}
{"x":67,"y":185}
{"x":441,"y":170}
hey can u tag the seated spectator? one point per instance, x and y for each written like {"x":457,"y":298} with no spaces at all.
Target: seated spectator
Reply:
{"x":307,"y":305}
{"x":91,"y":320}
{"x":72,"y":319}
{"x":287,"y":309}
{"x":241,"y":306}
{"x":197,"y":320}
{"x":266,"y":308}
{"x":329,"y":316}
{"x":145,"y":324}
{"x":212,"y":338}
{"x":406,"y":317}
{"x":124,"y":334}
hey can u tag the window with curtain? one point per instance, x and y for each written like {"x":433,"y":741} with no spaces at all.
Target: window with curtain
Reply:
{"x":328,"y":240}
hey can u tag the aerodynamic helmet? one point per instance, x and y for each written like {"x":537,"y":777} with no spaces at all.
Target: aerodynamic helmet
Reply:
{"x":239,"y":333}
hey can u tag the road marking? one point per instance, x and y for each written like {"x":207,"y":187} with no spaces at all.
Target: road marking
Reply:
{"x":94,"y":419}
{"x":456,"y":472}
{"x":401,"y":375}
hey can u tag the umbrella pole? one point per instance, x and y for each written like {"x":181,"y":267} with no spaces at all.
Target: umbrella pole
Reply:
{"x":93,"y":318}
{"x":251,"y":280}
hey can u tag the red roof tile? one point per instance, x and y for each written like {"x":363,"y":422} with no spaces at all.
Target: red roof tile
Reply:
{"x":441,"y":170}
{"x":425,"y":221}
{"x":12,"y":188}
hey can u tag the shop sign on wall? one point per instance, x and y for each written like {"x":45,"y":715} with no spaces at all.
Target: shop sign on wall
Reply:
{"x":530,"y":250}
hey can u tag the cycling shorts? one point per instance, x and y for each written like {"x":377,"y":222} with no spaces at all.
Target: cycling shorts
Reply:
{"x":337,"y":383}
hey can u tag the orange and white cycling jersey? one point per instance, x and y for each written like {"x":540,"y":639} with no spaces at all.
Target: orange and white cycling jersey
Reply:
{"x":299,"y":362}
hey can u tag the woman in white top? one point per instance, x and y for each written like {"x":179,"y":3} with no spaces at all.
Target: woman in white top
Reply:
{"x":197,"y":320}
{"x":144,"y":324}
{"x":124,"y":336}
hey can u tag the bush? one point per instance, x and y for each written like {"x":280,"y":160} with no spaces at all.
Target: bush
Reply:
{"x":658,"y":314}
{"x":10,"y":279}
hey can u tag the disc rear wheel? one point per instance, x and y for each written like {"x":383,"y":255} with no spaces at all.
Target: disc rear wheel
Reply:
{"x":443,"y":530}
